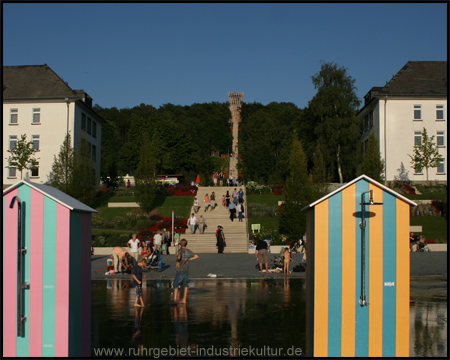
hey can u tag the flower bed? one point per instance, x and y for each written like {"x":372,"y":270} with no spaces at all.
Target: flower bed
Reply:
{"x":180,"y":225}
{"x":181,"y":190}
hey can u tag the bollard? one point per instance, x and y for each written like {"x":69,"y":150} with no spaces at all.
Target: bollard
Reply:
{"x":358,"y":272}
{"x":46,"y":285}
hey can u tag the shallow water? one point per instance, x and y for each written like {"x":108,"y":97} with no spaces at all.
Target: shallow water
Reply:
{"x":228,"y":318}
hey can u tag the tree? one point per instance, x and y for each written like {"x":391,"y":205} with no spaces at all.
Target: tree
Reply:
{"x":298,"y":193}
{"x":145,"y":189}
{"x":426,"y":154}
{"x":372,"y":163}
{"x":21,"y":157}
{"x":83,"y":182}
{"x":319,"y":173}
{"x":62,"y":168}
{"x":73,"y":171}
{"x":331,"y":117}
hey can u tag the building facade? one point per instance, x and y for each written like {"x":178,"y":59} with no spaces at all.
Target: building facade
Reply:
{"x":38,"y":103}
{"x":414,"y":99}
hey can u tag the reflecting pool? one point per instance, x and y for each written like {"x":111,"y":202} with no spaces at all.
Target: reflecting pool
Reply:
{"x":237,"y":318}
{"x":221,"y":318}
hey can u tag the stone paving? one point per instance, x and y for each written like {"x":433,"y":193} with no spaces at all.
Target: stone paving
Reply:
{"x":242,"y":266}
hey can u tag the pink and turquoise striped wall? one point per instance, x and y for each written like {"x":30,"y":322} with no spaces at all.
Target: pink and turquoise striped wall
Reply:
{"x":57,"y":269}
{"x":337,"y":324}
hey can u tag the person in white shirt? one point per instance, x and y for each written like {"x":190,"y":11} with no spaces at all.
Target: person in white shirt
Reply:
{"x":192,"y":222}
{"x":133,"y":244}
{"x":157,"y":240}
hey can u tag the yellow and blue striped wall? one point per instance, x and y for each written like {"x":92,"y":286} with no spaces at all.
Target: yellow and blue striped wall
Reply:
{"x":337,"y":325}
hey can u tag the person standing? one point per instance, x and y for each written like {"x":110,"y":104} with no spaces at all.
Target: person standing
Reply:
{"x":232,"y":210}
{"x":220,"y":244}
{"x":196,"y":205}
{"x":133,"y":244}
{"x":241,"y":195}
{"x":201,"y":224}
{"x":235,"y":196}
{"x":182,"y":275}
{"x":221,"y":178}
{"x":262,"y":255}
{"x":206,"y":201}
{"x":287,"y":259}
{"x":157,"y":240}
{"x":240,"y":210}
{"x":227,"y":199}
{"x":137,"y":281}
{"x":215,"y":176}
{"x":213,"y":201}
{"x":192,"y":222}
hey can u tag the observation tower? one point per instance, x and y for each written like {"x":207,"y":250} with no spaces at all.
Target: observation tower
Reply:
{"x":235,"y":99}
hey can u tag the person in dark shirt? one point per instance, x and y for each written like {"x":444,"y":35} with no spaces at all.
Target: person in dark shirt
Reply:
{"x":262,"y":255}
{"x":137,"y":281}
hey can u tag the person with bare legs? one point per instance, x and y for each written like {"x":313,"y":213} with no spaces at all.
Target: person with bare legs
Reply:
{"x":182,"y":275}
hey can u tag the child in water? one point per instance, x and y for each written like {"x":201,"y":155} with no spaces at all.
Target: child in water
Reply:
{"x":287,"y":259}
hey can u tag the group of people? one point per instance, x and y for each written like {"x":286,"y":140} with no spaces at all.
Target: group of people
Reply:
{"x":235,"y":206}
{"x":127,"y":262}
{"x":219,"y":178}
{"x":195,"y":223}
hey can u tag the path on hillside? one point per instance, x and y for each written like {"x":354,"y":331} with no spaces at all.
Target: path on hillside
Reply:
{"x":235,"y":232}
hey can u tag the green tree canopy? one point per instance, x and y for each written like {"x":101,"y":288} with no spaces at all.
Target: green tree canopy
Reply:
{"x":298,"y":193}
{"x":426,"y":154}
{"x":21,"y":157}
{"x":331,"y":118}
{"x":372,"y":163}
{"x":145,"y":186}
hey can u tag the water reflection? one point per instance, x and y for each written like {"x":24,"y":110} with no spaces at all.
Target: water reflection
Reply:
{"x":428,"y":330}
{"x":226,"y":314}
{"x":230,"y":315}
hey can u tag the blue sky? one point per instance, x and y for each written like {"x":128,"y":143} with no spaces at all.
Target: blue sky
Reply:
{"x":124,"y":54}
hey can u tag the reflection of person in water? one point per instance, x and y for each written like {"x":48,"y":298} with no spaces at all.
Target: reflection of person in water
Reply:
{"x":137,"y":339}
{"x":180,"y":324}
{"x":262,"y":293}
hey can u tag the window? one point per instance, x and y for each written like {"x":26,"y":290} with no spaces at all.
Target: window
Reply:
{"x":83,"y":121}
{"x":35,"y":140}
{"x":371,"y":119}
{"x":439,"y":112}
{"x":417,"y":138}
{"x":94,"y":129}
{"x":35,"y":170}
{"x":14,"y":118}
{"x":94,"y":152}
{"x":12,"y":142}
{"x":12,"y":172}
{"x":440,"y":139}
{"x":441,"y":167}
{"x":366,"y":122}
{"x":417,"y":112}
{"x":36,"y":116}
{"x":89,"y":125}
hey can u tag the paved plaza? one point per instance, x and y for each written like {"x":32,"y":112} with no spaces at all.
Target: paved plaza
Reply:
{"x":242,"y":266}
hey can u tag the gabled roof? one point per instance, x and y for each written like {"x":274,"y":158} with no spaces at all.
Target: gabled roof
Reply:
{"x":34,"y":81}
{"x":426,"y":78}
{"x":370,"y":180}
{"x":55,"y":194}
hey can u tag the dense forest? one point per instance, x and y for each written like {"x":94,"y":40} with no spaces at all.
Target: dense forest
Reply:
{"x":185,"y":138}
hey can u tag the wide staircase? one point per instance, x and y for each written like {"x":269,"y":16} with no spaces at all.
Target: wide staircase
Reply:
{"x":235,"y":232}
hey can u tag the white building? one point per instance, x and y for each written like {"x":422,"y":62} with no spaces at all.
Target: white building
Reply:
{"x":415,"y":98}
{"x":38,"y":103}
